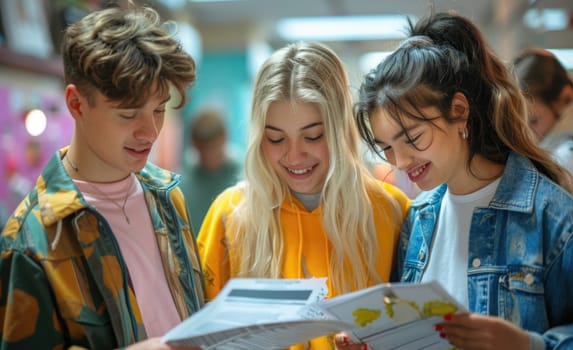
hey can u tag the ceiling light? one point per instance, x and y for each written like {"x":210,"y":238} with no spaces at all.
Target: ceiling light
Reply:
{"x":343,"y":28}
{"x":565,"y":56}
{"x":546,"y":19}
{"x":370,"y":60}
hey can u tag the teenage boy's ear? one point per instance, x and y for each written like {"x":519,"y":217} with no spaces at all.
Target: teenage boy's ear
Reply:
{"x":74,"y":101}
{"x":460,"y":106}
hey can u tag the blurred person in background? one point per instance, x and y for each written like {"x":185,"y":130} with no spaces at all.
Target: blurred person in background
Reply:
{"x":549,"y":91}
{"x":560,"y":140}
{"x":212,"y":167}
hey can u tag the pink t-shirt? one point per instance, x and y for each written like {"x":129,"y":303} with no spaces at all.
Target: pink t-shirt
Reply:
{"x":138,"y":246}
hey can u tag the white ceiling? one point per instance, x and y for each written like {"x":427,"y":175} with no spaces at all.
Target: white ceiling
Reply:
{"x":228,"y":24}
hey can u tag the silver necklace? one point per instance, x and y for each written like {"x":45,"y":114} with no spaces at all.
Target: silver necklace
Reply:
{"x":122,"y":206}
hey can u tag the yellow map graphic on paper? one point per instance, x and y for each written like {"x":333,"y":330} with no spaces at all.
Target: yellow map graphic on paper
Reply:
{"x":403,"y":311}
{"x":363,"y":317}
{"x":438,"y":308}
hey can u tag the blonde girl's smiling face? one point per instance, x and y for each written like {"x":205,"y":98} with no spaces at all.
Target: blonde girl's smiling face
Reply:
{"x":294,"y":143}
{"x":429,"y":152}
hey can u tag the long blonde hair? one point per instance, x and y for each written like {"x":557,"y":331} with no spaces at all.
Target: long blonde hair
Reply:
{"x":308,"y":73}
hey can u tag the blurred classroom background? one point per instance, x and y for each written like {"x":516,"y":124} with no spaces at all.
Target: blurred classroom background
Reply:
{"x":228,"y":39}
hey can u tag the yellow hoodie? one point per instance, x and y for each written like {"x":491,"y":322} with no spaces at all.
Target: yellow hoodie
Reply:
{"x":306,"y":245}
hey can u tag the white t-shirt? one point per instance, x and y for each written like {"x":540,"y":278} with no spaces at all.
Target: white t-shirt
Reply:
{"x":449,"y":249}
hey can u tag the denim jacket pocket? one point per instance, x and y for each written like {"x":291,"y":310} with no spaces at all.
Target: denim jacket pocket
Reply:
{"x":523,"y":279}
{"x":522,"y":297}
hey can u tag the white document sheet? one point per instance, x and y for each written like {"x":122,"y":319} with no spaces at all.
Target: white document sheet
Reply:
{"x":277,"y":313}
{"x":257,"y":314}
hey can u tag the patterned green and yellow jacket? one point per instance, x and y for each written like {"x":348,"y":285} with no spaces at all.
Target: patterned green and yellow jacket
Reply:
{"x":64,"y":282}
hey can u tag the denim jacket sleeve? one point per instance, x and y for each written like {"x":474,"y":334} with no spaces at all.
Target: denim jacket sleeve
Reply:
{"x":558,"y":338}
{"x":559,"y":298}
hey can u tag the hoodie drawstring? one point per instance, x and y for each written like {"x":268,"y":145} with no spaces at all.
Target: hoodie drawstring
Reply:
{"x":301,"y":265}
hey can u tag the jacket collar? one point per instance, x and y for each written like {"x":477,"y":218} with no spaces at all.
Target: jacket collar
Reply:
{"x":58,"y":196}
{"x":518,"y":185}
{"x":516,"y":190}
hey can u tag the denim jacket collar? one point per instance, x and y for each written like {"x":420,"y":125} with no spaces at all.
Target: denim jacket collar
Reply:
{"x":518,"y":185}
{"x":515,"y":192}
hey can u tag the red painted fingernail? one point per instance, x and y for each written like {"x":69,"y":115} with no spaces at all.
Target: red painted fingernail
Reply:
{"x":438,"y":327}
{"x":364,"y":347}
{"x":345,"y":340}
{"x":442,"y":335}
{"x":448,"y":317}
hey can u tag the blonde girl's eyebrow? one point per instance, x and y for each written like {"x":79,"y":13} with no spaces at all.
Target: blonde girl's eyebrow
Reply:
{"x":311,"y":125}
{"x":272,"y":128}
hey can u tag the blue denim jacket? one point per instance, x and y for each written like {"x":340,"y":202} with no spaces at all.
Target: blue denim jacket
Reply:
{"x":520,"y":262}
